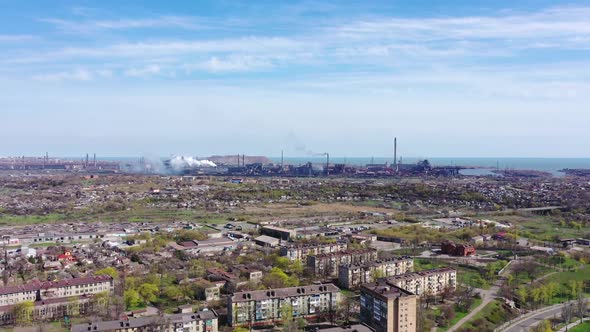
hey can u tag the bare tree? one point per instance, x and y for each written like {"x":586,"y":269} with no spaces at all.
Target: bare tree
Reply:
{"x":567,"y":312}
{"x":581,"y":306}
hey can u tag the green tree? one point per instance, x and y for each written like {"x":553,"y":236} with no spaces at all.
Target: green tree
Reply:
{"x":132,"y":299}
{"x":23,"y":313}
{"x":109,"y":271}
{"x":148,"y":292}
{"x":173,"y":293}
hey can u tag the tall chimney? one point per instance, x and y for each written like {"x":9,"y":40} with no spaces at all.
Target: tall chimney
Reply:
{"x":86,"y":160}
{"x":282,"y":164}
{"x":95,"y":160}
{"x":395,"y":153}
{"x":243,"y":160}
{"x":327,"y":163}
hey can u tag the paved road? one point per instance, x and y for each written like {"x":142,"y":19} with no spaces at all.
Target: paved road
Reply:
{"x":534,"y":319}
{"x":487,"y":297}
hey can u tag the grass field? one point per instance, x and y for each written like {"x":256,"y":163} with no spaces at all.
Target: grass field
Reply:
{"x":460,"y":315}
{"x":584,"y":327}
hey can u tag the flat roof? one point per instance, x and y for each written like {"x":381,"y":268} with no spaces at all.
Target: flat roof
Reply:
{"x":283,"y":292}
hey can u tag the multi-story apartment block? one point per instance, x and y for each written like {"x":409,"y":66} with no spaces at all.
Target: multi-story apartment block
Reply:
{"x":327,"y":264}
{"x":352,"y":276}
{"x":387,"y":308}
{"x":300,"y":252}
{"x":39,"y":291}
{"x":427,"y":282}
{"x":263,"y":307}
{"x":202,"y":321}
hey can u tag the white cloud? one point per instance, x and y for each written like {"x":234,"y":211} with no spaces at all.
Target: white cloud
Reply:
{"x":75,"y":75}
{"x":232,"y":64}
{"x":181,"y":22}
{"x":143,"y":71}
{"x":15,"y":38}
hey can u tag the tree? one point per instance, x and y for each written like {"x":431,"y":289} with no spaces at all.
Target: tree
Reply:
{"x":148,"y":292}
{"x":567,"y":312}
{"x":287,"y":318}
{"x":544,"y":326}
{"x":277,"y":278}
{"x":581,"y":307}
{"x":173,"y":293}
{"x":109,"y":271}
{"x":132,"y":299}
{"x":23,"y":313}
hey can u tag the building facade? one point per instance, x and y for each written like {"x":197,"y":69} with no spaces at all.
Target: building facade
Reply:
{"x":427,"y":282}
{"x":327,"y":264}
{"x":202,"y":321}
{"x":352,"y":276}
{"x":263,"y":307}
{"x":387,"y":308}
{"x":39,"y":291}
{"x":300,"y":252}
{"x":453,"y":249}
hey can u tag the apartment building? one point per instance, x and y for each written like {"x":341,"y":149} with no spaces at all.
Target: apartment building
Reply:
{"x":427,"y":282}
{"x":40,"y":291}
{"x":327,"y":264}
{"x":300,"y":252}
{"x":351,"y":276}
{"x":263,"y":307}
{"x":202,"y":321}
{"x":387,"y":308}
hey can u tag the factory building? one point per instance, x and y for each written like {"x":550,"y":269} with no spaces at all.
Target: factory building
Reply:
{"x":263,"y":307}
{"x":352,"y":276}
{"x":327,"y":264}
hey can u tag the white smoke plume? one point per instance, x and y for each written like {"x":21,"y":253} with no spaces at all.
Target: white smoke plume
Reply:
{"x":180,"y":162}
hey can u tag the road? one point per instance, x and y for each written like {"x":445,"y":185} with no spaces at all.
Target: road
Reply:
{"x":487,"y":297}
{"x":534,"y":318}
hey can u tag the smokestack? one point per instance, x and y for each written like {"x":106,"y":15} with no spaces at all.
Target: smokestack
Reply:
{"x":95,"y":160}
{"x":327,"y":163}
{"x":282,"y":164}
{"x":395,"y":151}
{"x":87,"y":160}
{"x":238,"y":160}
{"x":243,"y":160}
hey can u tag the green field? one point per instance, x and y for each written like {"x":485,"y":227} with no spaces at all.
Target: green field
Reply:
{"x":460,"y":315}
{"x":584,"y":327}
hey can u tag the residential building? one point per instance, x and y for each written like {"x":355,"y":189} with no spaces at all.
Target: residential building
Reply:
{"x":300,"y":252}
{"x":387,"y":308}
{"x":327,"y":264}
{"x":352,"y":276}
{"x":349,"y":328}
{"x":263,"y":307}
{"x":427,"y":282}
{"x":202,"y":321}
{"x":40,"y":291}
{"x":51,"y":309}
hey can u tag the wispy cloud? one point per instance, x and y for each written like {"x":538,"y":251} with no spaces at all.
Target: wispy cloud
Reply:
{"x":88,"y":26}
{"x":143,"y":71}
{"x":15,"y":38}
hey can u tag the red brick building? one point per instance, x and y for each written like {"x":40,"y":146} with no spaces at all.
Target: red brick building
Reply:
{"x":453,"y":249}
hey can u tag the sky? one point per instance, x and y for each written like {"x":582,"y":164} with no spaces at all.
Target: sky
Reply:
{"x":461,"y":78}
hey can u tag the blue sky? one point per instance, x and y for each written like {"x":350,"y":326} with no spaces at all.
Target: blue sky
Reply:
{"x":448,"y":78}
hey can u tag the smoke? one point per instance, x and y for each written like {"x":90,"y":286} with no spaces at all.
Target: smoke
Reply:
{"x":180,"y":162}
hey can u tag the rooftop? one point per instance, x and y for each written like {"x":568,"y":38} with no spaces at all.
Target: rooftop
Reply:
{"x":284,"y":292}
{"x":35,"y":286}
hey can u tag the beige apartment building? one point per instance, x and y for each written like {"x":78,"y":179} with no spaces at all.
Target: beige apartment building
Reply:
{"x":327,"y":264}
{"x":202,"y":321}
{"x":300,"y":252}
{"x":427,"y":282}
{"x":387,"y":308}
{"x":263,"y":307}
{"x":352,"y":276}
{"x":40,"y":291}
